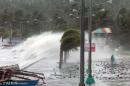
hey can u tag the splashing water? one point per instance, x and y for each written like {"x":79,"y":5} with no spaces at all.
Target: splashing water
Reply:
{"x":44,"y":46}
{"x":31,"y":50}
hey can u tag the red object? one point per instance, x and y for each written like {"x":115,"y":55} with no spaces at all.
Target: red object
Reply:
{"x":87,"y":47}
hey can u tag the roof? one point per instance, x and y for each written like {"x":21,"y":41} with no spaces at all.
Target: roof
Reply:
{"x":102,"y":30}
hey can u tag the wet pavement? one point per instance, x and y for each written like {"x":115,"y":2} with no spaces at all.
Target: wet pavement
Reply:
{"x":69,"y":76}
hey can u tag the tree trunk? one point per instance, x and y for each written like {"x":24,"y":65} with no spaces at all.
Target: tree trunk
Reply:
{"x":2,"y":38}
{"x":61,"y":58}
{"x":66,"y":54}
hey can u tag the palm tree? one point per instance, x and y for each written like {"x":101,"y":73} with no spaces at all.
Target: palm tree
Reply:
{"x":69,"y":41}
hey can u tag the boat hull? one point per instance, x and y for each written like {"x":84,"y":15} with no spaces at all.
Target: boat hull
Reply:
{"x":20,"y":83}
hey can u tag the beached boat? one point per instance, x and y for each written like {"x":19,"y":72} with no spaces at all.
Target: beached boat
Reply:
{"x":13,"y":76}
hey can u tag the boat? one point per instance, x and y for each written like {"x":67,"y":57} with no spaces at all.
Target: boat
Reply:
{"x":13,"y":76}
{"x":6,"y":46}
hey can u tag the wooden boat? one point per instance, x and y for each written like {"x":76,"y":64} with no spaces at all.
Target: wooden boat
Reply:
{"x":13,"y":76}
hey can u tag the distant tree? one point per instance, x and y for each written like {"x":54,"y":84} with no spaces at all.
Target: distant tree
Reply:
{"x":6,"y":22}
{"x":123,"y":19}
{"x":18,"y":21}
{"x":27,"y":24}
{"x":123,"y":22}
{"x":58,"y":22}
{"x":37,"y":21}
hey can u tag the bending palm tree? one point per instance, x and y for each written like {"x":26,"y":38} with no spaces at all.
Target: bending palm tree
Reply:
{"x":69,"y":41}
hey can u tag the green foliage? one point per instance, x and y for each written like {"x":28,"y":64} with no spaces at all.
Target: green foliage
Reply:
{"x":5,"y":32}
{"x":18,"y":15}
{"x":70,"y":40}
{"x":21,"y":22}
{"x":43,"y":15}
{"x":123,"y":23}
{"x":123,"y":19}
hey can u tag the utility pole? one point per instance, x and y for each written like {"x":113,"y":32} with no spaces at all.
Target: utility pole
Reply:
{"x":90,"y":37}
{"x":82,"y":28}
{"x":90,"y":80}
